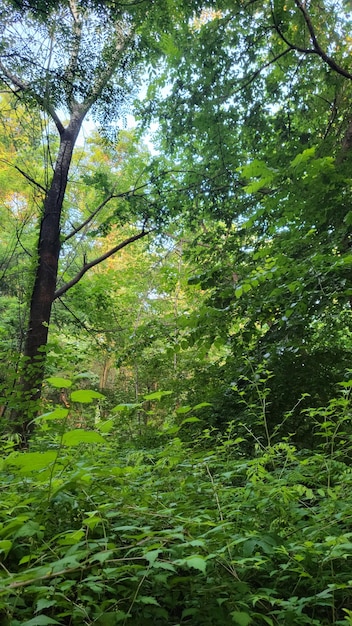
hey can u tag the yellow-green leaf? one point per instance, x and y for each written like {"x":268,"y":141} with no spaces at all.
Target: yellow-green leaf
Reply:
{"x":5,"y":546}
{"x":78,"y":436}
{"x":85,"y":396}
{"x":56,"y":381}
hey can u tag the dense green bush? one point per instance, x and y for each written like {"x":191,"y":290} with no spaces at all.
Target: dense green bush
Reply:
{"x":95,"y":531}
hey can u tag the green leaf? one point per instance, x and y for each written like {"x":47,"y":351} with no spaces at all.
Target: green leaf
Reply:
{"x":5,"y":546}
{"x":266,"y":619}
{"x":148,"y":600}
{"x":170,"y":430}
{"x":71,"y":538}
{"x":183,"y":409}
{"x":157,"y":395}
{"x":57,"y":414}
{"x":29,"y":529}
{"x":32,"y":461}
{"x":190,"y":420}
{"x":85,"y":396}
{"x":346,"y":383}
{"x":241,"y":618}
{"x":164,"y":565}
{"x":77,"y":436}
{"x":189,"y":612}
{"x":256,"y":168}
{"x":258,"y":184}
{"x":56,"y":381}
{"x":16,"y":523}
{"x":40,"y":620}
{"x":201,"y":405}
{"x":106,"y":426}
{"x":303,"y":157}
{"x":84,"y":375}
{"x":44,"y":603}
{"x":120,"y":616}
{"x":101,"y":557}
{"x":151,"y":556}
{"x":348,"y":218}
{"x":197,"y":562}
{"x":127,"y":406}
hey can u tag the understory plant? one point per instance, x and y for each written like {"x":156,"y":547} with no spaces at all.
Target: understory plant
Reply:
{"x":98,"y":530}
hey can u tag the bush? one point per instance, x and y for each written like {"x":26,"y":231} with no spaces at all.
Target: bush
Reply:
{"x":98,"y":532}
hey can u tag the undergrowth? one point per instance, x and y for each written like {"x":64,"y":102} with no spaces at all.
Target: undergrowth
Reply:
{"x":97,"y":531}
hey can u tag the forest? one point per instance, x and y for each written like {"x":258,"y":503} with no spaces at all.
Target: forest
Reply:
{"x":175,"y":312}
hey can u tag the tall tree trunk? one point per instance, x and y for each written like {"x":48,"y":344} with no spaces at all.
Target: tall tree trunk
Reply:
{"x":48,"y":251}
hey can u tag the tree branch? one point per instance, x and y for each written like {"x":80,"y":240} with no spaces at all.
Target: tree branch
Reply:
{"x":251,"y":78}
{"x":111,"y":196}
{"x":89,"y":218}
{"x":96,"y":261}
{"x":25,"y":87}
{"x":53,"y":574}
{"x":318,"y":49}
{"x":25,"y":175}
{"x":284,"y":38}
{"x":71,"y":68}
{"x":105,"y":75}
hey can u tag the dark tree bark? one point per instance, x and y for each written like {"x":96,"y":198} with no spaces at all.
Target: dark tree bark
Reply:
{"x":79,"y":91}
{"x":90,"y":58}
{"x":44,"y":289}
{"x":43,"y":292}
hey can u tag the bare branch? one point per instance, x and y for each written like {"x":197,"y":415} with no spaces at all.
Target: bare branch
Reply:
{"x":96,"y":261}
{"x":14,"y":79}
{"x":18,"y":234}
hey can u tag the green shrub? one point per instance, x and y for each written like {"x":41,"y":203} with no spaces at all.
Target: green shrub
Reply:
{"x":96,"y":531}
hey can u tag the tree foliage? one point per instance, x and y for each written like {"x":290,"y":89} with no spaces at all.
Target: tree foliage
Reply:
{"x":266,"y":151}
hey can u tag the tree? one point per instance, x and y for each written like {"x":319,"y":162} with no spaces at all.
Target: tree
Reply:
{"x":267,"y":149}
{"x":20,"y":151}
{"x":67,"y":60}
